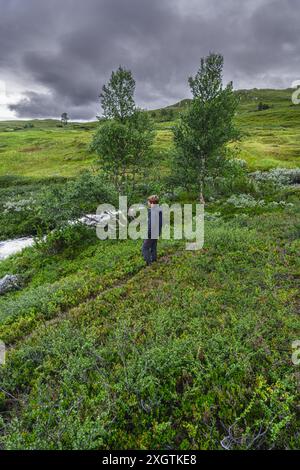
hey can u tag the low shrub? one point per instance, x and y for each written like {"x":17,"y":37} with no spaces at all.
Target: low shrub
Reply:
{"x":248,"y":201}
{"x":37,"y":208}
{"x":67,"y":239}
{"x":278,"y":176}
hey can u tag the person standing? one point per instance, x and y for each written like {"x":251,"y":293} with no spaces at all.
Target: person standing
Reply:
{"x":149,"y":249}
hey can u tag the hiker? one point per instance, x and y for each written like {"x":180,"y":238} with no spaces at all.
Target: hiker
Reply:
{"x":149,"y":249}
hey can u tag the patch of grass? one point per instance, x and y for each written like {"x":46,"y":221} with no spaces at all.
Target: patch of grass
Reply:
{"x":45,"y":152}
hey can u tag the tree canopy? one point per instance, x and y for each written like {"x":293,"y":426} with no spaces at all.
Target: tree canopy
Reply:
{"x":206,"y":126}
{"x":117,"y":97}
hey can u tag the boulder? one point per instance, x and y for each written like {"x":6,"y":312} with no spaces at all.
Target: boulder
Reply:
{"x":8,"y":283}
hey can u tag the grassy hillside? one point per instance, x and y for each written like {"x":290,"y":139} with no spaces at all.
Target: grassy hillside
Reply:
{"x":44,"y":150}
{"x":270,"y":138}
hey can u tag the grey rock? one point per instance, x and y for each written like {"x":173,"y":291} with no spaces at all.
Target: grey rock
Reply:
{"x":8,"y":283}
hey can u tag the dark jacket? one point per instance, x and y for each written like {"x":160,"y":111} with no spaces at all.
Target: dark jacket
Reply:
{"x":155,"y":222}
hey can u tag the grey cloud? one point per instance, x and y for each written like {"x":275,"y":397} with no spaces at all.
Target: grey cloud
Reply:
{"x":41,"y":105}
{"x":69,"y":48}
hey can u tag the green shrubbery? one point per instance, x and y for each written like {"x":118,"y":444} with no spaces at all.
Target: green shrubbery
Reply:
{"x":193,"y":353}
{"x":278,"y":176}
{"x":55,"y":280}
{"x":53,"y":205}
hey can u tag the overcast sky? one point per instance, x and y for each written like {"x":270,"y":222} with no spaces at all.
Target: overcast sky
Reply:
{"x":55,"y":55}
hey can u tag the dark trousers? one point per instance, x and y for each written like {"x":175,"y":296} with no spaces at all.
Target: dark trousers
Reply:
{"x":149,"y":251}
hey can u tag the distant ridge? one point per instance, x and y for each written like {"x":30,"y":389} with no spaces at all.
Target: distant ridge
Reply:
{"x":246,"y":95}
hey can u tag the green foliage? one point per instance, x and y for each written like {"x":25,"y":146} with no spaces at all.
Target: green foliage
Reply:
{"x":278,"y":176}
{"x":28,"y":125}
{"x":125,"y":148}
{"x":32,"y":209}
{"x":262,"y":106}
{"x":64,"y":119}
{"x":58,"y":206}
{"x":165,"y":115}
{"x":58,"y":275}
{"x":117,"y":97}
{"x":207,"y":126}
{"x":124,"y":141}
{"x":64,"y":239}
{"x":270,"y":411}
{"x":207,"y":83}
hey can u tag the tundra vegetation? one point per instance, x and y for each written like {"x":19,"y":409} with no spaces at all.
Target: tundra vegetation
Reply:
{"x":194,"y":352}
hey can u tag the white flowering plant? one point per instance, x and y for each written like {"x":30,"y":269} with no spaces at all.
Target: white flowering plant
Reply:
{"x":278,"y":176}
{"x":18,"y":205}
{"x":247,"y":201}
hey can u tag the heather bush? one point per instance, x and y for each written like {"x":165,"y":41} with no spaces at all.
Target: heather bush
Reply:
{"x":278,"y":176}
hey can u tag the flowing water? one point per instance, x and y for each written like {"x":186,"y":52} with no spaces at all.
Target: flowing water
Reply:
{"x":10,"y":247}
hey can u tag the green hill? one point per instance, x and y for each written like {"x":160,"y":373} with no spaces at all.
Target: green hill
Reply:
{"x":271,"y":138}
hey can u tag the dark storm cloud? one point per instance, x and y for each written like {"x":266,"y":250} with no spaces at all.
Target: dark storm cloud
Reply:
{"x":63,"y":52}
